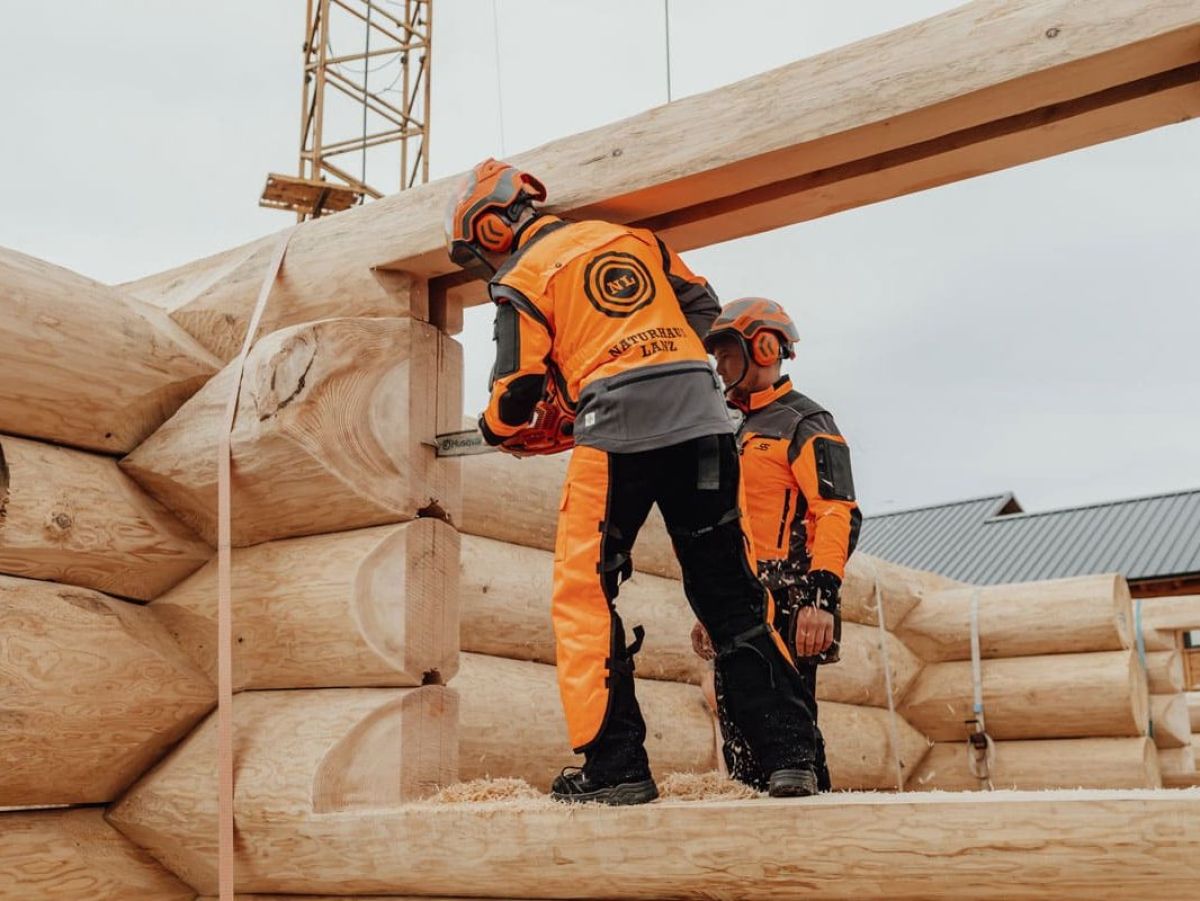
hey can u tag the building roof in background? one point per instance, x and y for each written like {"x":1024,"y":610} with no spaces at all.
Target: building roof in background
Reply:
{"x":991,"y":540}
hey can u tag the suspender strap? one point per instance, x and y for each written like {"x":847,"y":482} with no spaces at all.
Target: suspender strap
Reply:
{"x":225,"y":880}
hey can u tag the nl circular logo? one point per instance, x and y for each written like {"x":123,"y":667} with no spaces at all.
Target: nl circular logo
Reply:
{"x":618,"y":284}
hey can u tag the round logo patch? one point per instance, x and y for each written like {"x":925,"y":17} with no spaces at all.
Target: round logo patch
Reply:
{"x":618,"y":284}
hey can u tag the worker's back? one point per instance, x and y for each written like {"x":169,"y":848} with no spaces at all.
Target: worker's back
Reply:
{"x":626,"y":317}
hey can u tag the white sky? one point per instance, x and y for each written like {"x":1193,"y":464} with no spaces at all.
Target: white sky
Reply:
{"x":1033,"y":330}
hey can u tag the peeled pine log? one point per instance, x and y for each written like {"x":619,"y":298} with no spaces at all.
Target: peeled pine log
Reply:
{"x":1169,"y":714}
{"x":1089,"y":613}
{"x":1193,"y":705}
{"x":1177,"y":764}
{"x":528,"y":491}
{"x":512,"y":725}
{"x":506,"y":613}
{"x":900,"y":590}
{"x":1000,"y":845}
{"x":370,"y":607}
{"x":206,"y":297}
{"x":92,"y":691}
{"x":1164,"y":672}
{"x":298,"y":754}
{"x":1098,"y":694}
{"x":335,"y":431}
{"x":1177,"y":776}
{"x":1172,"y":614}
{"x":74,"y":517}
{"x":1061,"y":763}
{"x":73,"y":855}
{"x":86,"y":365}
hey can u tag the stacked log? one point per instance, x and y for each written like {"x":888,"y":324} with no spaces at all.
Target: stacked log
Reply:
{"x":357,"y":620}
{"x":85,"y":364}
{"x":73,"y":517}
{"x":335,"y":430}
{"x":1043,"y":764}
{"x":300,"y":754}
{"x":369,"y":607}
{"x":1065,"y":695}
{"x":74,"y":855}
{"x":93,"y":691}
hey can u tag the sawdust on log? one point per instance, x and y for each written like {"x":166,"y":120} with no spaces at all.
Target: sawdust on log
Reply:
{"x":710,"y":786}
{"x":517,"y":793}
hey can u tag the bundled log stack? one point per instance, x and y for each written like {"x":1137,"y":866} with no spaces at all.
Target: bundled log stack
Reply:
{"x":1176,"y":711}
{"x":1065,"y":695}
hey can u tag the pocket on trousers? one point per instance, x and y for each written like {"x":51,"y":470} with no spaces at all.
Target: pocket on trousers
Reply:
{"x":560,"y":537}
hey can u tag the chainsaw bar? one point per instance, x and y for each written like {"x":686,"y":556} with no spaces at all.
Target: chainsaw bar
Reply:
{"x":462,"y":444}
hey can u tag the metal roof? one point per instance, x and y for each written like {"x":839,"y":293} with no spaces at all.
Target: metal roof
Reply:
{"x":991,"y":540}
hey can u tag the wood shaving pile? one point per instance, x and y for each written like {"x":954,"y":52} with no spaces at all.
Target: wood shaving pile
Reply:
{"x":703,"y":787}
{"x":519,"y":794}
{"x":497,"y":792}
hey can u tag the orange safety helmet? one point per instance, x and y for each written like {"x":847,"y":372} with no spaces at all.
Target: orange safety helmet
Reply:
{"x":762,"y":327}
{"x":481,"y":213}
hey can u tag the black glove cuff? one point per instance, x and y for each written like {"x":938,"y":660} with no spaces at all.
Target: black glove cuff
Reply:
{"x":488,"y":435}
{"x":824,"y":591}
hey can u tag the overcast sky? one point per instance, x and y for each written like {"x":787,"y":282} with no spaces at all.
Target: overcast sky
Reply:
{"x":1033,"y":330}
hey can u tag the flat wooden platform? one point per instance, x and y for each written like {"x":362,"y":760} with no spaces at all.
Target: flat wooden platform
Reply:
{"x":313,"y":198}
{"x":1072,"y":844}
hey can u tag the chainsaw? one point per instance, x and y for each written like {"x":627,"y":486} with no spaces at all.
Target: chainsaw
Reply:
{"x":550,"y":430}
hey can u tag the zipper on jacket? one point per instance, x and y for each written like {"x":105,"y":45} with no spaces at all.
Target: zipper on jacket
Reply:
{"x":787,"y":505}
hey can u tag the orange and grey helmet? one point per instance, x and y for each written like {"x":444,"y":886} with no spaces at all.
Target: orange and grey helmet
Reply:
{"x":762,"y":327}
{"x":482,"y":211}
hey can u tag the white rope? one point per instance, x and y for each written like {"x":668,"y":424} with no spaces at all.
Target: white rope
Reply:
{"x":893,"y":728}
{"x":981,"y":751}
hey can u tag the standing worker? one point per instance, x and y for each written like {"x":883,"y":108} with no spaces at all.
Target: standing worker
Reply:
{"x":610,"y":321}
{"x":799,"y":496}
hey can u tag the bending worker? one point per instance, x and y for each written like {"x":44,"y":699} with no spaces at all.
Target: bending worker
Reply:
{"x":612,"y":321}
{"x":799,"y":497}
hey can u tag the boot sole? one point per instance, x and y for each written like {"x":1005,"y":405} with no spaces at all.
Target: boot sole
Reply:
{"x":627,"y":793}
{"x":793,"y":787}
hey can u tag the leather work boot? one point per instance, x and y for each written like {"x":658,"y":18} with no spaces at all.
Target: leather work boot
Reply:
{"x":574,"y":786}
{"x":792,"y":783}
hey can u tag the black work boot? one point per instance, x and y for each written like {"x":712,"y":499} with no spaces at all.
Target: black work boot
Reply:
{"x":574,"y":786}
{"x":797,"y":783}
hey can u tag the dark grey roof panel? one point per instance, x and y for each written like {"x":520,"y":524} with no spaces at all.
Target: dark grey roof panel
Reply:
{"x":1142,"y":538}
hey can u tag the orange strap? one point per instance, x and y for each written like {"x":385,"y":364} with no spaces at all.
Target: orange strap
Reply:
{"x":224,"y":603}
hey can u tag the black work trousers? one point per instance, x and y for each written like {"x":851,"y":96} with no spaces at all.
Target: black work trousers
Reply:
{"x":767,"y":703}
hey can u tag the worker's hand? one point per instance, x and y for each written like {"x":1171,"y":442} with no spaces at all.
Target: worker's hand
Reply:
{"x":814,"y":631}
{"x":701,"y":643}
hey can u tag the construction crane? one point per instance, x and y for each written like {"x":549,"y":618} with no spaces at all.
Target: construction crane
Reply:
{"x":368,"y":97}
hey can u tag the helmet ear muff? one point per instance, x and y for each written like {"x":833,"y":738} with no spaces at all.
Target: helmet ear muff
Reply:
{"x":494,"y":232}
{"x":764,"y":348}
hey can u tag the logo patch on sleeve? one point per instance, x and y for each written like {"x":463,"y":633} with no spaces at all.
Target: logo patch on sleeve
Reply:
{"x":618,"y":284}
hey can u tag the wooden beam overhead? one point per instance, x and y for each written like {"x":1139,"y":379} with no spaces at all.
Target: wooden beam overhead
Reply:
{"x":986,"y":86}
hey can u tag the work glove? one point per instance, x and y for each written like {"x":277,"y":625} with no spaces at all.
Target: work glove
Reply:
{"x":815,"y":626}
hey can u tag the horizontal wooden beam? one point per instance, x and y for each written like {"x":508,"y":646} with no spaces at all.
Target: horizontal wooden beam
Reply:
{"x":1061,"y":845}
{"x":986,"y":86}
